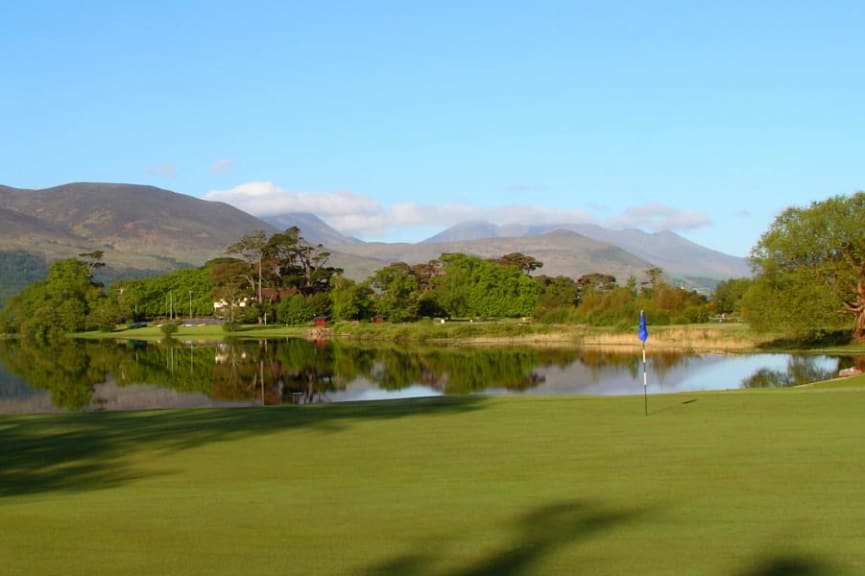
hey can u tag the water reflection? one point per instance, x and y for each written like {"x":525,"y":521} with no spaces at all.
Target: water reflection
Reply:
{"x":799,"y":370}
{"x":96,"y":375}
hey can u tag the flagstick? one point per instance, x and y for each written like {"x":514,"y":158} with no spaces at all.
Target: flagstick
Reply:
{"x":645,"y":384}
{"x":644,"y":335}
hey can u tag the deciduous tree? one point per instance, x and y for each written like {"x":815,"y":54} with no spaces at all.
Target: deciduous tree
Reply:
{"x":251,"y":248}
{"x":728,"y":294}
{"x":810,"y":269}
{"x":472,"y":286}
{"x":395,"y":292}
{"x":527,"y":264}
{"x":56,"y":305}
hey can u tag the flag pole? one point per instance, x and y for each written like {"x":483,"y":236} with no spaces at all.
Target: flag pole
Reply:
{"x":645,"y":384}
{"x":644,"y":335}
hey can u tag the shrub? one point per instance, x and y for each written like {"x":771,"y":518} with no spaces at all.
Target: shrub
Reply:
{"x":559,"y":315}
{"x":168,"y":328}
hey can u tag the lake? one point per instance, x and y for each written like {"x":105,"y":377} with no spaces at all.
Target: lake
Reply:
{"x":108,"y":375}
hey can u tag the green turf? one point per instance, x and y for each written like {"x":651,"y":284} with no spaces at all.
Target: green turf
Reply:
{"x":848,"y":382}
{"x":756,"y":483}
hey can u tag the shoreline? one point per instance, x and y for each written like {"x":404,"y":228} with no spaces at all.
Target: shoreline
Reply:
{"x":732,"y":338}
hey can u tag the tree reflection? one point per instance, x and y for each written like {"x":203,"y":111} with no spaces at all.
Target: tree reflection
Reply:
{"x":800,"y":370}
{"x":477,"y":370}
{"x":68,"y":375}
{"x":299,"y":371}
{"x":449,"y":370}
{"x":601,"y":360}
{"x":266,"y":371}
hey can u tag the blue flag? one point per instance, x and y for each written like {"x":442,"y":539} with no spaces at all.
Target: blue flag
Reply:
{"x":644,"y":332}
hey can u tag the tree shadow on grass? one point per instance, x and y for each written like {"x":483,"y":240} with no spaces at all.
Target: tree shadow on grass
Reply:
{"x":86,"y":451}
{"x":790,"y":565}
{"x":537,"y":535}
{"x":544,"y":530}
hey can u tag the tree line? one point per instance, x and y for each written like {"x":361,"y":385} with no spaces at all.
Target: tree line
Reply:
{"x":808,"y":281}
{"x":284,"y":279}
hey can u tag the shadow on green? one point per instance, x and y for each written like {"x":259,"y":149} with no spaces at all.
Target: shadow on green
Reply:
{"x":87,"y":451}
{"x":790,"y":565}
{"x":536,"y":535}
{"x":539,"y":533}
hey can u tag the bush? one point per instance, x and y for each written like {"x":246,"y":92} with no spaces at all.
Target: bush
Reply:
{"x":560,"y":315}
{"x":296,"y":310}
{"x":169,"y":328}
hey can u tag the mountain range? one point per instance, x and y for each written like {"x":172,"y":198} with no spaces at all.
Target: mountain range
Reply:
{"x":144,"y":230}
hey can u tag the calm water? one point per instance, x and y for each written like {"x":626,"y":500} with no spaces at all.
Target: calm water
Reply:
{"x":83,"y":375}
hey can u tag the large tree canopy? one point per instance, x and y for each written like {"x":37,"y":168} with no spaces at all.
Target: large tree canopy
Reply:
{"x":471,"y":286}
{"x":810,"y":269}
{"x":61,"y":303}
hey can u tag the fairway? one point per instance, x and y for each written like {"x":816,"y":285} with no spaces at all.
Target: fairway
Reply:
{"x":750,"y":483}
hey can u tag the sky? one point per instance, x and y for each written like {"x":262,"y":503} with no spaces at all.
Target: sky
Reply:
{"x":394,"y":120}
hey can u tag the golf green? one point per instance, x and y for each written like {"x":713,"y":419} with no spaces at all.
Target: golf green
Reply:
{"x":758,"y":482}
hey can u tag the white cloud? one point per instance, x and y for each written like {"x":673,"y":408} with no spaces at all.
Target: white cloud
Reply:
{"x":221,"y":165}
{"x":165,"y":170}
{"x":657,"y":217}
{"x":515,"y":214}
{"x":410,"y":213}
{"x":357,"y":215}
{"x":268,"y":199}
{"x":406,"y":215}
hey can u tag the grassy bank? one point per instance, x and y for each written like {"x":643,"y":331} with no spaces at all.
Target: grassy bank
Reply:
{"x":736,"y":483}
{"x":698,"y":337}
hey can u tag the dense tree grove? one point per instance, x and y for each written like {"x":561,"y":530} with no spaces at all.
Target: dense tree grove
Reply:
{"x":68,"y":300}
{"x":810,"y":270}
{"x":282,"y":278}
{"x":18,"y":269}
{"x":609,"y":304}
{"x":395,"y":292}
{"x":729,"y":294}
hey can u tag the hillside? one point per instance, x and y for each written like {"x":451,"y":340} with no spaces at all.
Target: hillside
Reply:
{"x":144,"y":230}
{"x":313,"y":229}
{"x":669,"y":251}
{"x":562,"y":252}
{"x":139,"y":228}
{"x":678,"y":257}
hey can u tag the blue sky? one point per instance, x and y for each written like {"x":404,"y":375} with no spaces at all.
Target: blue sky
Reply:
{"x":393,"y":120}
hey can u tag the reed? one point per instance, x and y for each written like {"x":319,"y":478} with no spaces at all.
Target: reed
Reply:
{"x":695,"y":337}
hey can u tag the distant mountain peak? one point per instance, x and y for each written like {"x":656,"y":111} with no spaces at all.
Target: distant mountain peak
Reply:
{"x":673,"y":253}
{"x":466,"y":231}
{"x":313,"y":229}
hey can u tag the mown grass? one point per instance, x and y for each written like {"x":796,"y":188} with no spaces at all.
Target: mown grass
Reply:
{"x":734,"y":483}
{"x":421,"y":331}
{"x":848,"y":382}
